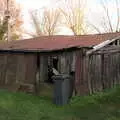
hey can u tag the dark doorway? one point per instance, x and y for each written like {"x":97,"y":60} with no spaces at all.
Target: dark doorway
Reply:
{"x":55,"y":62}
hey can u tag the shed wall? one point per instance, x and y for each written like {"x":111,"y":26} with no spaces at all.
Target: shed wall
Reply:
{"x":104,"y":71}
{"x":17,"y":71}
{"x":98,"y":71}
{"x":93,"y":73}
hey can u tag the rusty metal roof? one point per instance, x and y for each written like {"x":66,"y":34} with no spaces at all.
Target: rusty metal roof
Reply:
{"x":51,"y":43}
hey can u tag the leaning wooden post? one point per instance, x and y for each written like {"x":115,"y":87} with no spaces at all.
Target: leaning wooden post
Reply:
{"x":88,"y":59}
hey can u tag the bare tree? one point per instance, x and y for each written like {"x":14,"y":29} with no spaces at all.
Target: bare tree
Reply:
{"x":73,"y":12}
{"x":110,"y":17}
{"x":45,"y":23}
{"x":15,"y":20}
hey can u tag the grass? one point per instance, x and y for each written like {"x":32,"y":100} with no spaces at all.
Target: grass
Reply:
{"x":100,"y":106}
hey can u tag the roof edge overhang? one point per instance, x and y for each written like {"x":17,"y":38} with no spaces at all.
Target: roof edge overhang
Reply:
{"x":43,"y":51}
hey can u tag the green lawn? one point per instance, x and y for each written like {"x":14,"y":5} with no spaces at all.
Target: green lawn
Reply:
{"x":19,"y":106}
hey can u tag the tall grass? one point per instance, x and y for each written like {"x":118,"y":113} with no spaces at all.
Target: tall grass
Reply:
{"x":100,"y":106}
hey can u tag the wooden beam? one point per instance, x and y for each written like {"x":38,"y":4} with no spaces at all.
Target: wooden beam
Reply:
{"x":101,"y":45}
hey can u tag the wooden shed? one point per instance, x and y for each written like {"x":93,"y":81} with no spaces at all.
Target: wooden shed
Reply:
{"x":24,"y":64}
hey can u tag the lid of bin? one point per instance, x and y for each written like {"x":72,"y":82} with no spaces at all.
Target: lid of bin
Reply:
{"x":61,"y":77}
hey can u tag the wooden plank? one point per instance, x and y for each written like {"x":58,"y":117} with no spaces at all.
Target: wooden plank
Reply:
{"x":81,"y":74}
{"x":78,"y":72}
{"x":21,"y":69}
{"x":89,"y":74}
{"x":114,"y":70}
{"x":85,"y":75}
{"x":119,"y":67}
{"x":93,"y":74}
{"x":110,"y":72}
{"x":11,"y":69}
{"x":97,"y":69}
{"x":102,"y":71}
{"x":31,"y":67}
{"x":96,"y":74}
{"x":3,"y":65}
{"x":105,"y":71}
{"x":116,"y":66}
{"x":64,"y":63}
{"x":43,"y":68}
{"x":72,"y":63}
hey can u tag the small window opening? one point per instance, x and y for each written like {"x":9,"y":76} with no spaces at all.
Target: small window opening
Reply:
{"x":52,"y":68}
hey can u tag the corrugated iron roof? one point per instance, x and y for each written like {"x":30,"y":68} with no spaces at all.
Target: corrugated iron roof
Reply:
{"x":49,"y":43}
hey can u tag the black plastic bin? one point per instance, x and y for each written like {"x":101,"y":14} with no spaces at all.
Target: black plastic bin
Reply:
{"x":62,"y":89}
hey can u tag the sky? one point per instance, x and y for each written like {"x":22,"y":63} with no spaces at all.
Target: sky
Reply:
{"x":93,"y":9}
{"x":28,"y":5}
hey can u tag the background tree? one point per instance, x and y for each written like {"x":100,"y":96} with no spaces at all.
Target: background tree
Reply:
{"x":3,"y":29}
{"x":109,"y":20}
{"x":15,"y":20}
{"x":74,"y":17}
{"x":45,"y":23}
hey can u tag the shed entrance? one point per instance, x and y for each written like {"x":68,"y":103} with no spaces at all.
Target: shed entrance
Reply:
{"x":47,"y":66}
{"x":50,"y":65}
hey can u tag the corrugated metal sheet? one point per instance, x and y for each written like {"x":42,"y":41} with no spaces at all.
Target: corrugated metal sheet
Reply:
{"x":48,"y":43}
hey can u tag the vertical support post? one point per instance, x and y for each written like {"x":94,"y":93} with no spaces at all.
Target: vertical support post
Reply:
{"x":88,"y":62}
{"x":102,"y":71}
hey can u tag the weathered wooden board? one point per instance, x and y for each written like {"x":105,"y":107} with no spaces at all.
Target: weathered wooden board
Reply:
{"x":31,"y":67}
{"x":81,"y":74}
{"x":21,"y":69}
{"x":12,"y":60}
{"x":43,"y":68}
{"x":3,"y":65}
